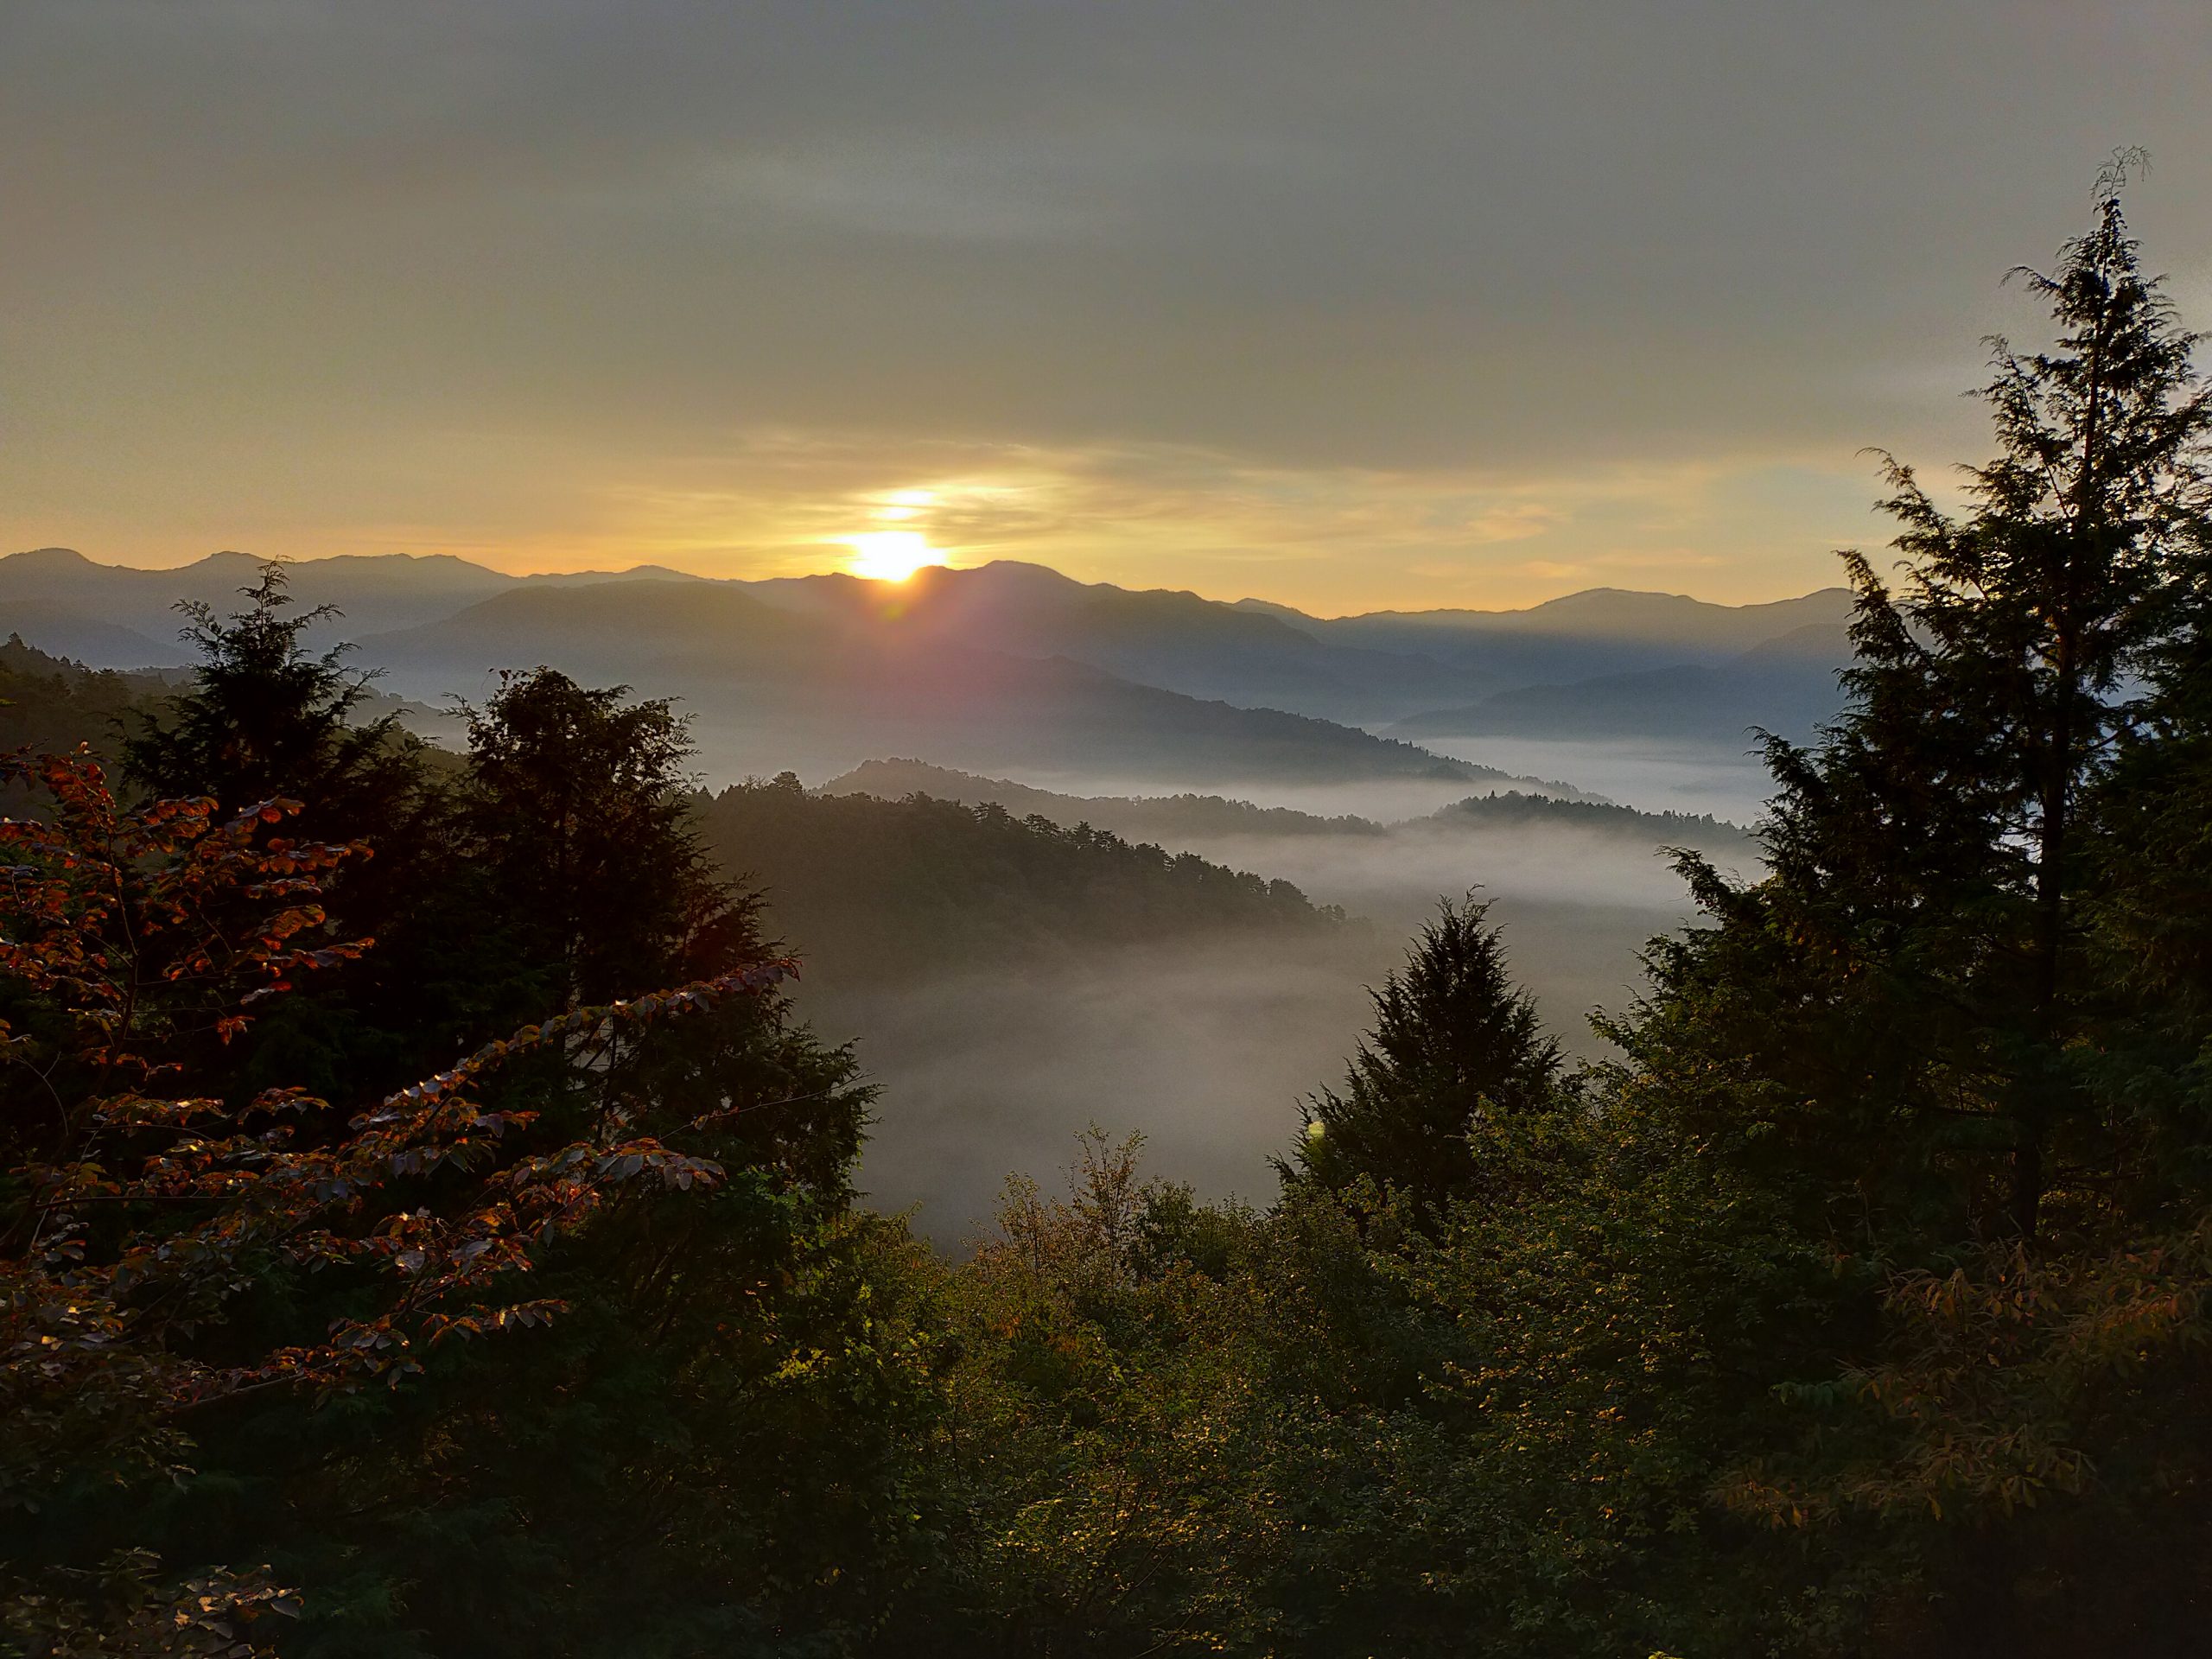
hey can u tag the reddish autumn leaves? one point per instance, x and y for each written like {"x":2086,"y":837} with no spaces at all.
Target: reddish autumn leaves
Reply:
{"x":135,"y":943}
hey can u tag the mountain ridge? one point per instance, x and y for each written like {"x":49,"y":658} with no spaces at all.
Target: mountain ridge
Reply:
{"x":1383,"y":671}
{"x":770,"y":690}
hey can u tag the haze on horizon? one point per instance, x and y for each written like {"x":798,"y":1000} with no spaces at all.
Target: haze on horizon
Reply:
{"x":1395,"y":305}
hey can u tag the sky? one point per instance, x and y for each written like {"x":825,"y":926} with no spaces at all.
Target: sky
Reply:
{"x":1350,"y":306}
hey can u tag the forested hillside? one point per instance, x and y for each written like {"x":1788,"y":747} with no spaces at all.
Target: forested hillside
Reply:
{"x":1513,"y":808}
{"x":428,"y":1227}
{"x":873,"y":887}
{"x":50,"y":703}
{"x":1146,"y":816}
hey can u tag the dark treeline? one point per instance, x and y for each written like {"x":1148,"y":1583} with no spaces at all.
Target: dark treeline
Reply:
{"x":1211,"y":818}
{"x":1136,"y":816}
{"x":869,"y":888}
{"x":49,"y":704}
{"x":1857,"y":1306}
{"x":1511,"y":808}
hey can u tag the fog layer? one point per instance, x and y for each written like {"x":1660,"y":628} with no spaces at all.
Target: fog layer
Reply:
{"x":1207,"y":1045}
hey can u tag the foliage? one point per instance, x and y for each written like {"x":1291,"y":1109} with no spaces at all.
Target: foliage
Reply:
{"x":1716,"y":837}
{"x":576,"y":804}
{"x":1105,"y":1402}
{"x":264,"y":717}
{"x":50,"y":704}
{"x":1929,"y":863}
{"x":1454,"y":1043}
{"x":141,"y":1213}
{"x":875,"y":888}
{"x":1857,"y":1305}
{"x":671,"y":1414}
{"x":1933,"y":1032}
{"x":125,"y":1610}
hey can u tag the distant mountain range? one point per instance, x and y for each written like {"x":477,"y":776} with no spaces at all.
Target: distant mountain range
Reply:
{"x":1175,"y":641}
{"x":376,"y":592}
{"x":1015,"y":667}
{"x":1598,"y":630}
{"x":1787,"y":685}
{"x":769,"y":688}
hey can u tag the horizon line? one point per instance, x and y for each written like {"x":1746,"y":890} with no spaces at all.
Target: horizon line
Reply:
{"x":644,"y":568}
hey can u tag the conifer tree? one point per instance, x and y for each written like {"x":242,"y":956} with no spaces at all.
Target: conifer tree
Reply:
{"x":264,"y":715}
{"x":1902,"y":1000}
{"x":581,"y":808}
{"x":1453,"y":1040}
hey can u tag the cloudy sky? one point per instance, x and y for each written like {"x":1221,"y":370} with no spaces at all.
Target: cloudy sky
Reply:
{"x":1350,"y":305}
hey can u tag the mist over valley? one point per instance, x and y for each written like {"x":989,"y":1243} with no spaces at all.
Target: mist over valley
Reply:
{"x":994,"y":1026}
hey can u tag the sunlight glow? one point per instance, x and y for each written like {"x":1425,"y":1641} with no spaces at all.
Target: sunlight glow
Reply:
{"x":897,"y":505}
{"x":889,"y":555}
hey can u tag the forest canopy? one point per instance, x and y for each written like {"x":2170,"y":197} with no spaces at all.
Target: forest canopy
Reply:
{"x":877,"y":887}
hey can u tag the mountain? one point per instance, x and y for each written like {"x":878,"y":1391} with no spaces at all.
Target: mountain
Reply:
{"x":1155,"y":818}
{"x":1172,"y":640}
{"x":1515,"y":810}
{"x":950,"y":643}
{"x":1787,"y":685}
{"x":1014,"y":981}
{"x":869,"y":888}
{"x":771,"y":688}
{"x":1367,"y":669}
{"x":49,"y":703}
{"x":1602,"y":631}
{"x":1180,"y":820}
{"x":54,"y":593}
{"x":85,"y":639}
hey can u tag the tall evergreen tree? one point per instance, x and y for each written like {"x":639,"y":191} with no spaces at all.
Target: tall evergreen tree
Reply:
{"x":652,"y":1473}
{"x":579,"y":805}
{"x":1902,"y":1002}
{"x":264,"y":715}
{"x":1953,"y":1032}
{"x":1453,"y":1039}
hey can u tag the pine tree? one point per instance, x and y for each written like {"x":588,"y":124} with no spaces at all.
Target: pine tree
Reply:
{"x":581,"y":808}
{"x":1453,"y":1040}
{"x":266,"y":716}
{"x":1957,"y":1032}
{"x":1904,"y":1001}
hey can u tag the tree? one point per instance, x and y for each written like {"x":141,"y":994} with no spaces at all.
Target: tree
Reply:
{"x":1454,"y":1041}
{"x":2037,"y":604}
{"x":264,"y":716}
{"x":578,"y":802}
{"x":1957,"y":1031}
{"x":140,"y":1219}
{"x":1104,"y":1392}
{"x":635,"y":1470}
{"x":50,"y":704}
{"x":1905,"y":996}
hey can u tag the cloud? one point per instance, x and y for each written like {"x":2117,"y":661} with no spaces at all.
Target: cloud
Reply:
{"x":1333,"y":295}
{"x":1333,"y":538}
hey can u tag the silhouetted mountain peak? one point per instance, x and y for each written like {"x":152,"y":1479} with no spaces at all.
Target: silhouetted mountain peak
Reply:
{"x":1253,"y":654}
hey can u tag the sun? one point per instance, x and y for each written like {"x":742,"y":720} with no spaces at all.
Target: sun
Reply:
{"x":889,"y":555}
